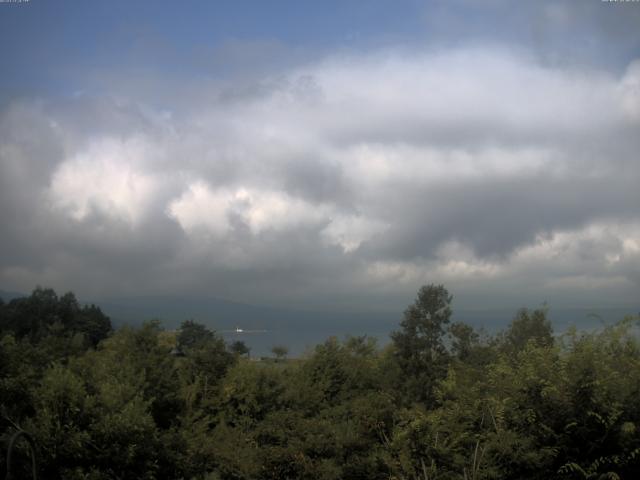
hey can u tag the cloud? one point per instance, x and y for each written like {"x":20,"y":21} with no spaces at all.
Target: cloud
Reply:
{"x":630,"y":91}
{"x":597,"y":263}
{"x":105,"y":178}
{"x":482,"y":167}
{"x":203,"y":212}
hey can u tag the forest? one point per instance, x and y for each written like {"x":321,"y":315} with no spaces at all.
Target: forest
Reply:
{"x":441,"y":401}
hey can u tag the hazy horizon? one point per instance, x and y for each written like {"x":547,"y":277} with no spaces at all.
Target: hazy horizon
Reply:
{"x":301,"y":330}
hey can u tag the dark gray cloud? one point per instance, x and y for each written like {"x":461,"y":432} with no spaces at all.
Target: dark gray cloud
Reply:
{"x":495,"y":217}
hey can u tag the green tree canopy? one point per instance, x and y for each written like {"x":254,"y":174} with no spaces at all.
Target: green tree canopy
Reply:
{"x":419,"y":345}
{"x":528,"y":326}
{"x":280,"y":351}
{"x":193,"y":334}
{"x":43,"y":314}
{"x":239,"y":348}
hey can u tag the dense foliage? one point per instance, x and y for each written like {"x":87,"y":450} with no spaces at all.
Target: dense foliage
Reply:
{"x":442,"y":401}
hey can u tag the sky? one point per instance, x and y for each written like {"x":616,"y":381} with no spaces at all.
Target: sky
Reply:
{"x":322,"y":155}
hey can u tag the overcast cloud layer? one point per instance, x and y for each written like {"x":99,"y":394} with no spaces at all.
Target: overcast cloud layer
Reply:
{"x":348,"y":180}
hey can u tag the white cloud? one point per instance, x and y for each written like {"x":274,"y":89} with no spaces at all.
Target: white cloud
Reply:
{"x":201,"y":210}
{"x":350,"y":231}
{"x":382,"y":163}
{"x":109,"y":177}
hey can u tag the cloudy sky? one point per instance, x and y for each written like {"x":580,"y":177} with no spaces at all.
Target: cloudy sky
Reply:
{"x":326,"y":154}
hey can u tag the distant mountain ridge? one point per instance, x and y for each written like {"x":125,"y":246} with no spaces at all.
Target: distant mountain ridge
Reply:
{"x":8,"y":296}
{"x":297,"y":330}
{"x":224,"y":314}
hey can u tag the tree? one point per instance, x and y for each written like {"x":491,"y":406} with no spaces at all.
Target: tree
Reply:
{"x":280,"y":351}
{"x":43,"y":314}
{"x":207,"y":357}
{"x":193,"y":334}
{"x":239,"y":348}
{"x":528,"y":326}
{"x":93,"y":324}
{"x":419,"y":346}
{"x":463,"y":339}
